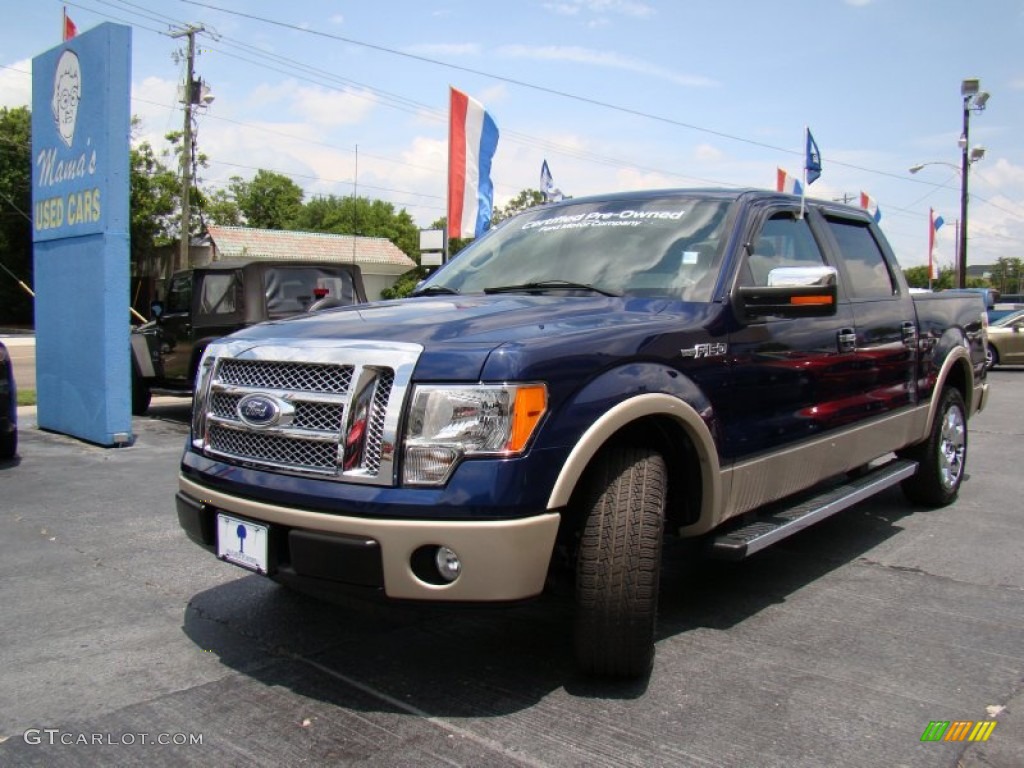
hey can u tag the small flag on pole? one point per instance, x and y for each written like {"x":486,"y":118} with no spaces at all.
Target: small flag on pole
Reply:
{"x":934,"y":223}
{"x":869,"y":204}
{"x":784,"y":182}
{"x":547,"y":185}
{"x":813,"y":162}
{"x":69,"y":29}
{"x":472,"y":141}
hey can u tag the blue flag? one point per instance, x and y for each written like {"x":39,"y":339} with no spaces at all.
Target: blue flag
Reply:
{"x":547,"y":185}
{"x":813,"y":164}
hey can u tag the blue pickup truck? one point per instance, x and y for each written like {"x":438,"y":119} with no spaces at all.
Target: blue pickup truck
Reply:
{"x":585,"y":380}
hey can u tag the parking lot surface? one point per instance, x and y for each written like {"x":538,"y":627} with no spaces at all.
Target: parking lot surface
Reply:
{"x":124,"y":643}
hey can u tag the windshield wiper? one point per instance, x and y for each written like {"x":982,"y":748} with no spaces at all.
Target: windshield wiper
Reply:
{"x":550,"y":285}
{"x":435,"y":290}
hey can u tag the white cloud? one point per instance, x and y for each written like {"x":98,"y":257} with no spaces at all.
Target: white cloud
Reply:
{"x":337,"y":19}
{"x":16,"y":84}
{"x":326,"y":107}
{"x":608,"y":59}
{"x":631,"y":8}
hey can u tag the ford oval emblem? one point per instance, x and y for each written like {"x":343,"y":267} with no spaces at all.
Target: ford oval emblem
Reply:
{"x":259,"y":410}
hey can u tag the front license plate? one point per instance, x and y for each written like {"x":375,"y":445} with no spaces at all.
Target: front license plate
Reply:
{"x":242,"y":543}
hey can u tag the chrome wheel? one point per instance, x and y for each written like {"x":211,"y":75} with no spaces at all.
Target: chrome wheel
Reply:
{"x":952,"y":447}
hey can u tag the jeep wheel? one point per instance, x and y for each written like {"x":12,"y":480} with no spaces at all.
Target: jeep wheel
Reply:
{"x":942,"y":457}
{"x":619,"y":563}
{"x":140,"y":395}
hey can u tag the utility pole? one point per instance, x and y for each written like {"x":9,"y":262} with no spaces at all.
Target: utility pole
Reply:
{"x":845,"y":199}
{"x":190,"y":98}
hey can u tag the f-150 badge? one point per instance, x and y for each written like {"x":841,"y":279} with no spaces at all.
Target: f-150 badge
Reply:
{"x":716,"y":349}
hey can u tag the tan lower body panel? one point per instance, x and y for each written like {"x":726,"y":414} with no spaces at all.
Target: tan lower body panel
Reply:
{"x":501,"y":559}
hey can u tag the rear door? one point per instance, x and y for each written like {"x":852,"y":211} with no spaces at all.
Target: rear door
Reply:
{"x":884,"y":317}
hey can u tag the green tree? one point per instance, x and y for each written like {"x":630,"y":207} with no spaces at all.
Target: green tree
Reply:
{"x":1007,"y":275}
{"x":270,"y":201}
{"x":15,"y":214}
{"x":222,"y":209}
{"x":154,"y":202}
{"x":527,"y":198}
{"x":361,"y":216}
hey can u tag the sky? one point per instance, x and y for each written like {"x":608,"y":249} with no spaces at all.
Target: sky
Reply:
{"x":351,"y":96}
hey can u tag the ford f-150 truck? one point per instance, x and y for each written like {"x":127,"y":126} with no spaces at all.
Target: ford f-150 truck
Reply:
{"x":581,"y":382}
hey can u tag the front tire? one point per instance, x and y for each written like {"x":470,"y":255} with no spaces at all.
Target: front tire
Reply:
{"x":8,"y":445}
{"x":991,"y":357}
{"x":619,"y":563}
{"x":941,"y":458}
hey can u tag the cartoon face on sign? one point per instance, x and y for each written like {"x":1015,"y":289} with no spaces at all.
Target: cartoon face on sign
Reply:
{"x":67,"y":92}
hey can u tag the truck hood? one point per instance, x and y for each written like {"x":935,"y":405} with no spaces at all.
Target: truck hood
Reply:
{"x":459,"y":333}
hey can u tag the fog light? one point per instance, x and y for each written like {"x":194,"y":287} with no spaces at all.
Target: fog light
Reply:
{"x":448,"y":564}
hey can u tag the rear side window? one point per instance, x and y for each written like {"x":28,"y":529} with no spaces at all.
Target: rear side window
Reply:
{"x":221,"y":293}
{"x":867,"y":268}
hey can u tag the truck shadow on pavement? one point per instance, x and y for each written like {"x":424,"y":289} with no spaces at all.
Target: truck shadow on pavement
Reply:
{"x":489,"y":661}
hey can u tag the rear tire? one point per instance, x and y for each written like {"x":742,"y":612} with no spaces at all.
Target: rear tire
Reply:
{"x":141,"y":395}
{"x":619,"y":563}
{"x":942,"y":458}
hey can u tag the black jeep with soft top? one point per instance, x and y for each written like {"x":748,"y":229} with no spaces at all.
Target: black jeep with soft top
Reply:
{"x":205,"y":303}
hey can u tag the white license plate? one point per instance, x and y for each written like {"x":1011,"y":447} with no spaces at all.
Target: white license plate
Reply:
{"x":242,"y":543}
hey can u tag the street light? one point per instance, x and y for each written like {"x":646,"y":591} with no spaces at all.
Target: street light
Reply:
{"x":975,"y":100}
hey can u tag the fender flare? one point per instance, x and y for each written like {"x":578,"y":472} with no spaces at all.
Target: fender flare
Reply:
{"x":625,"y":413}
{"x":958,"y":356}
{"x":142,"y":358}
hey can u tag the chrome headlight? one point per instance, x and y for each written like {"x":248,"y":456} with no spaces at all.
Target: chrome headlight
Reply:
{"x":449,"y":423}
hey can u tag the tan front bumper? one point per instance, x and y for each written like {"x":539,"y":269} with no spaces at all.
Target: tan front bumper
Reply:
{"x":501,"y":559}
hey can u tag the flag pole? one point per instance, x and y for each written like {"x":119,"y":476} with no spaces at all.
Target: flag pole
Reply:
{"x":803,"y":190}
{"x":931,"y":244}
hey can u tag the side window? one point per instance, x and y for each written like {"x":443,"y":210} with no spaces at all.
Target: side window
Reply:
{"x":179,"y":295}
{"x":784,"y":241}
{"x":869,"y":273}
{"x":219,"y":293}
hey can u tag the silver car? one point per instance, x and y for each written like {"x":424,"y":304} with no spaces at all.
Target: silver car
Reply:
{"x":1006,"y":340}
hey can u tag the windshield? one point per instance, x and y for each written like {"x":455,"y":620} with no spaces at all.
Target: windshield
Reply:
{"x":1007,"y":320}
{"x":664,"y":247}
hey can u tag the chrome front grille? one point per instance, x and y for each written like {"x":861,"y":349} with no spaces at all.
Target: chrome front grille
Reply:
{"x":275,"y":450}
{"x":298,"y":377}
{"x":310,"y":402}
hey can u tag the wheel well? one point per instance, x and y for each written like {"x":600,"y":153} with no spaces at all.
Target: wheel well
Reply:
{"x":959,"y":378}
{"x":685,"y":486}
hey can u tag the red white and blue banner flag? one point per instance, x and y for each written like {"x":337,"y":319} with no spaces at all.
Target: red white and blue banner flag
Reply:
{"x":869,"y":204}
{"x":785,"y":182}
{"x":472,"y":140}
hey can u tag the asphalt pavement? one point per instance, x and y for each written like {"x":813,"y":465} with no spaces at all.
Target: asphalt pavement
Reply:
{"x":125,"y":644}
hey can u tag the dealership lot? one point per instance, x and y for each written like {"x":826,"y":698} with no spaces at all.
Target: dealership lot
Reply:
{"x":123,"y":643}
